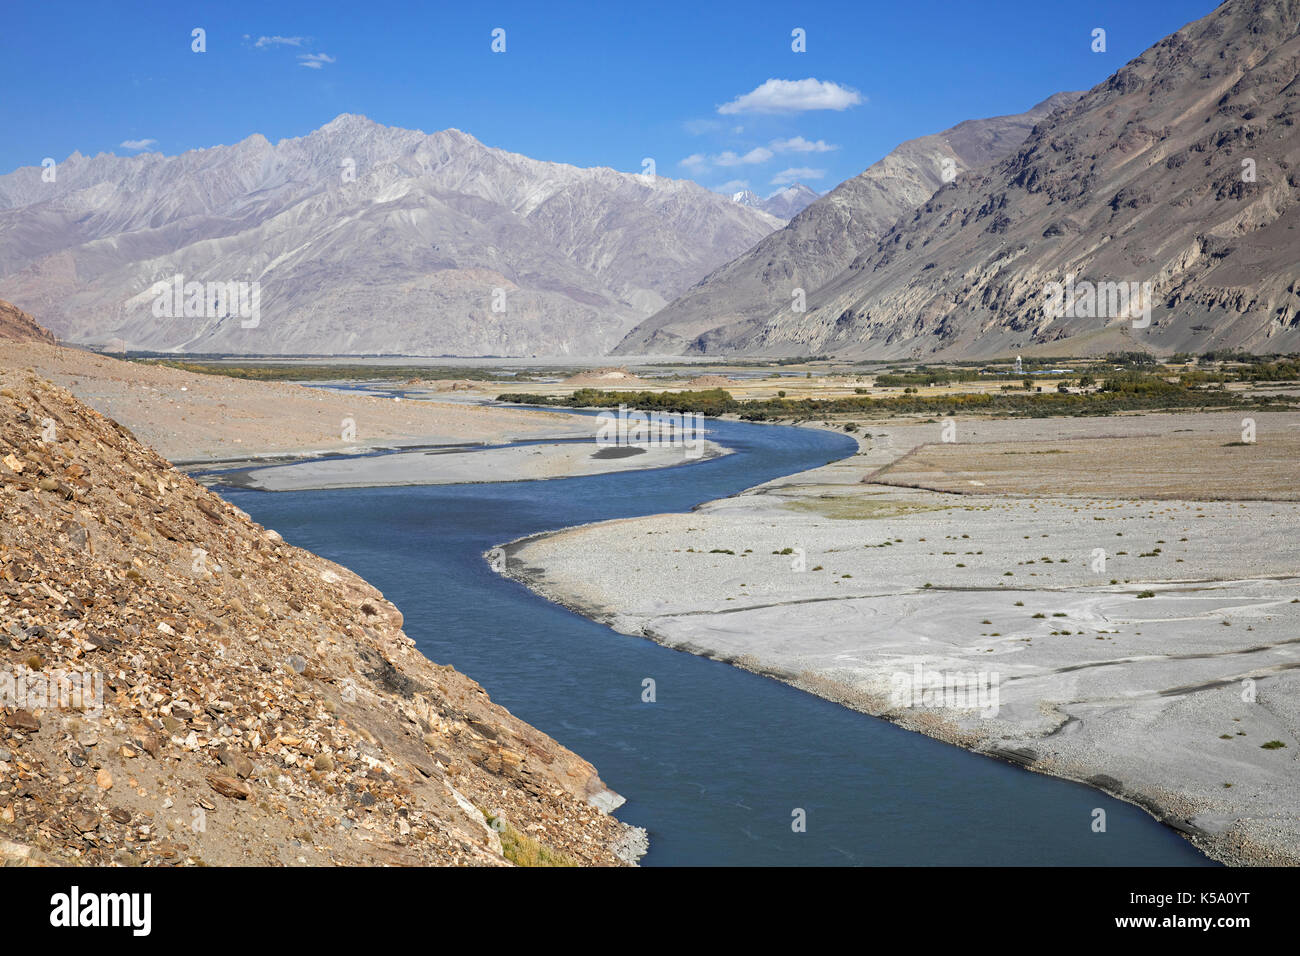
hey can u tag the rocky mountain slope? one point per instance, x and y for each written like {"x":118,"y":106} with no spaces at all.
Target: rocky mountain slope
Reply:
{"x":823,"y":239}
{"x":362,"y":238}
{"x":786,"y":203}
{"x":1177,"y":174}
{"x":17,"y":326}
{"x":179,"y":685}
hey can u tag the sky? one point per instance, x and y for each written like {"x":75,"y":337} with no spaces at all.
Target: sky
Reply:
{"x":713,"y":92}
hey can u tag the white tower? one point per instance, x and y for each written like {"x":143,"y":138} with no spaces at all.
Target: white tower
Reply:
{"x":1019,"y":367}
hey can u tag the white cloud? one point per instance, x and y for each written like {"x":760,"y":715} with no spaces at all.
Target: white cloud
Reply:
{"x":798,"y":144}
{"x":138,"y":143}
{"x":733,"y":186}
{"x":314,"y":61}
{"x":797,"y":174}
{"x":756,"y":155}
{"x":794,"y":96}
{"x":698,"y":127}
{"x":280,"y":41}
{"x":699,"y":163}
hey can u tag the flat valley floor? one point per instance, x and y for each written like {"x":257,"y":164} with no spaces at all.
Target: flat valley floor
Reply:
{"x":1128,"y":584}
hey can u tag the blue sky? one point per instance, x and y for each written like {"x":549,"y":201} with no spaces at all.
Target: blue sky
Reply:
{"x":599,"y":84}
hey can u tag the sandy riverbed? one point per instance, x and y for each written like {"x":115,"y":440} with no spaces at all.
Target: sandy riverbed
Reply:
{"x":198,"y":420}
{"x":455,"y":466}
{"x":192,"y":417}
{"x":845,"y":588}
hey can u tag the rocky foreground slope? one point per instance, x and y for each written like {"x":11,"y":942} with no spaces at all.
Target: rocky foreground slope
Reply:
{"x":17,"y":326}
{"x":179,"y":685}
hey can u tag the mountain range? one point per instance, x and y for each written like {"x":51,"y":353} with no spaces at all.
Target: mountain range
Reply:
{"x":822,"y":240}
{"x":786,"y":203}
{"x":361,"y":238}
{"x":1176,"y":177}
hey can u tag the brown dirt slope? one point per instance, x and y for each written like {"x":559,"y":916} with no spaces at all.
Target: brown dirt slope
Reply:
{"x":190,"y":417}
{"x":260,"y":705}
{"x":17,"y":326}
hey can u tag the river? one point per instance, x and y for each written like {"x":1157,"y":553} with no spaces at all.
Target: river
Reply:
{"x":717,"y":766}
